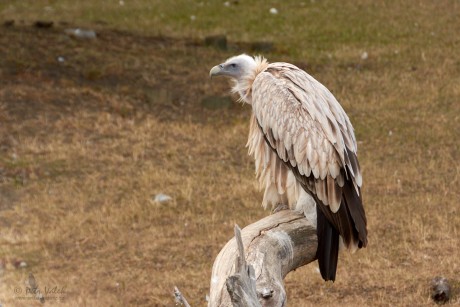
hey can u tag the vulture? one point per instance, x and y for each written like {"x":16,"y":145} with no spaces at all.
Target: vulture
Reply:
{"x":305,"y":151}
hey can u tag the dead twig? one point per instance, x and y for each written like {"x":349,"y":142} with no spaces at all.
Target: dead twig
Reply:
{"x":180,"y":299}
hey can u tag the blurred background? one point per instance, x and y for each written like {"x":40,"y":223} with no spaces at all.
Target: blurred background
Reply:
{"x":123,"y":168}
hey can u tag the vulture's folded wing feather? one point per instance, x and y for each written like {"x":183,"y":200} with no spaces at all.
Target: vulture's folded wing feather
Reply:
{"x":308,"y":129}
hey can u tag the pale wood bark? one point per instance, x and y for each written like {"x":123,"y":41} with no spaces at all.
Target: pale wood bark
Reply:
{"x":273,"y":246}
{"x":242,"y":286}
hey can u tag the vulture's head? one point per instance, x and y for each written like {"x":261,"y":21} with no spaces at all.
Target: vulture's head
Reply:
{"x":236,"y":67}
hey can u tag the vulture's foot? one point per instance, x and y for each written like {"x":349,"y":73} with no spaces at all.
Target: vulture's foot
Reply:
{"x":280,"y":207}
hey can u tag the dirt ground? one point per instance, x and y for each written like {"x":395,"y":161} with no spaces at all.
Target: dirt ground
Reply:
{"x":92,"y":130}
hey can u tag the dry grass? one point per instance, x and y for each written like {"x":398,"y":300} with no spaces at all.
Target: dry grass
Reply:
{"x":85,"y":144}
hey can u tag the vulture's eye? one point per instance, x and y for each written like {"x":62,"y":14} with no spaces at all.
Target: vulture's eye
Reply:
{"x":232,"y":65}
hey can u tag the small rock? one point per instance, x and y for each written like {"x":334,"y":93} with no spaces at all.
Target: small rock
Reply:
{"x":218,"y":41}
{"x":43,"y":24}
{"x":162,"y":198}
{"x":121,"y":2}
{"x":230,"y":3}
{"x":273,"y":11}
{"x":364,"y":55}
{"x":193,"y":18}
{"x":60,"y":59}
{"x":81,"y":33}
{"x":19,"y":264}
{"x":440,"y":290}
{"x":8,"y":23}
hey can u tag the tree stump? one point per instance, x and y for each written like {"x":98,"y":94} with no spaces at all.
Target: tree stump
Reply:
{"x":251,"y":272}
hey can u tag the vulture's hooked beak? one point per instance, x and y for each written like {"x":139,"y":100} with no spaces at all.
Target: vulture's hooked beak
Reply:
{"x":216,"y":70}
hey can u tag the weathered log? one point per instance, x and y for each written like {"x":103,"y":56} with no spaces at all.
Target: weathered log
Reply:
{"x":274,"y":246}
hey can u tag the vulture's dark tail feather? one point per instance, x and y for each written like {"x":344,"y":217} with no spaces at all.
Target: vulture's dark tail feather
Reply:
{"x":355,"y":208}
{"x":328,"y":247}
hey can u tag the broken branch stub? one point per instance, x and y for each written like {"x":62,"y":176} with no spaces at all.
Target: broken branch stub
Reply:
{"x":242,"y":285}
{"x":273,"y":246}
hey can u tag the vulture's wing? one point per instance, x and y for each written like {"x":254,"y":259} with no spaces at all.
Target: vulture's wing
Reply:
{"x":308,"y":129}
